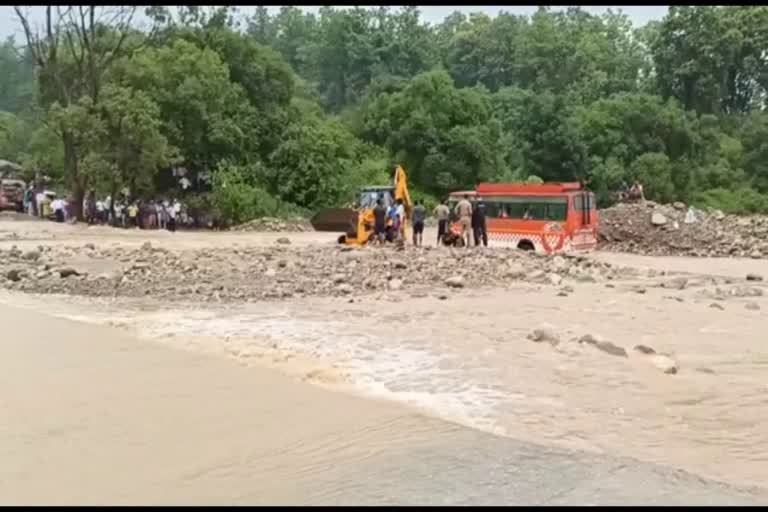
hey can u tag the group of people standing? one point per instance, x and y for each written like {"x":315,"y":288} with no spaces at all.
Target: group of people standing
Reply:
{"x":155,"y":214}
{"x":470,"y":215}
{"x":395,"y":231}
{"x":471,"y":218}
{"x":631,"y":193}
{"x":38,"y":202}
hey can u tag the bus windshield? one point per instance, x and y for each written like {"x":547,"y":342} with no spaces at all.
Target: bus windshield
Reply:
{"x":551,"y":208}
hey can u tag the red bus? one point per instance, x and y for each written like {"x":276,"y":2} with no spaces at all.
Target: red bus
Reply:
{"x":546,"y":218}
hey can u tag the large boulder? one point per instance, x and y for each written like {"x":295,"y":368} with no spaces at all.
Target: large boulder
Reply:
{"x":13,"y":275}
{"x":455,"y":282}
{"x":658,"y":219}
{"x":544,"y":334}
{"x":664,"y":363}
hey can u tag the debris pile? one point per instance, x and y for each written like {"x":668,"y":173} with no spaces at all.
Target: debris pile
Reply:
{"x":676,"y":229}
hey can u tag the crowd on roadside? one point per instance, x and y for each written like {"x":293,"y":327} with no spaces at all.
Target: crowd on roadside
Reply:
{"x":161,"y":213}
{"x":152,"y":214}
{"x":43,"y":203}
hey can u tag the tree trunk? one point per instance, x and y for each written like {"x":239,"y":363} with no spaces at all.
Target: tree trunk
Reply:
{"x":79,"y":196}
{"x":72,"y":169}
{"x":113,"y":195}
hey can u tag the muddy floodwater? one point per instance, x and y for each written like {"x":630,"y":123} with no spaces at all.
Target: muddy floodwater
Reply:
{"x":387,"y":399}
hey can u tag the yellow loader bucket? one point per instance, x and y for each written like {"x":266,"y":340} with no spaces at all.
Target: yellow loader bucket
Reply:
{"x":337,"y":220}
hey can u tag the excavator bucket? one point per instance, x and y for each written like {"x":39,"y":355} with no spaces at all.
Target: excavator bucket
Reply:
{"x":339,"y":220}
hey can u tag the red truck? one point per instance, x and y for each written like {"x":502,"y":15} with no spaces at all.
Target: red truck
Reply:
{"x":12,"y":194}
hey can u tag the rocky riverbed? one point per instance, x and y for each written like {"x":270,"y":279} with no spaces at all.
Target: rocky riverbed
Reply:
{"x":275,"y":225}
{"x":283,"y":271}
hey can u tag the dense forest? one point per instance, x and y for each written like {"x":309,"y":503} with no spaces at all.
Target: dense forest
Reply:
{"x":294,"y":111}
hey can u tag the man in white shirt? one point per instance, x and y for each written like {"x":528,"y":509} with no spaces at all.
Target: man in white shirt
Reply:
{"x":400,"y":209}
{"x":162,"y":222}
{"x":65,"y":209}
{"x":108,"y":210}
{"x":100,"y":211}
{"x":173,"y":212}
{"x":119,"y":214}
{"x":57,"y":205}
{"x":39,"y":198}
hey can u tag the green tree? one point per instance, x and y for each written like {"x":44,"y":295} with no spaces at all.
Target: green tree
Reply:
{"x":713,"y":59}
{"x":445,"y":136}
{"x":654,"y":171}
{"x":17,"y":78}
{"x":14,"y":136}
{"x":205,"y":115}
{"x":73,"y":56}
{"x":134,"y":147}
{"x":84,"y":131}
{"x":754,"y":138}
{"x":238,"y":199}
{"x":627,"y":127}
{"x":313,"y":163}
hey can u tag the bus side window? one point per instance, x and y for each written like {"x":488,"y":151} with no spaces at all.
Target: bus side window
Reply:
{"x":578,"y":202}
{"x":557,"y":211}
{"x":517,"y":210}
{"x":587,"y":202}
{"x":496,"y":210}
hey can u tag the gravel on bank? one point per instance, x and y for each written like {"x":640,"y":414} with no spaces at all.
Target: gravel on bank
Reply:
{"x":663,"y":230}
{"x":283,"y":271}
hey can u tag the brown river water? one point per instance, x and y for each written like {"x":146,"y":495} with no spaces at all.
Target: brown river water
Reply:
{"x":467,"y":360}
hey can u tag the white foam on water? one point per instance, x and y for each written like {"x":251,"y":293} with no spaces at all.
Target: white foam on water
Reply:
{"x":377,"y":365}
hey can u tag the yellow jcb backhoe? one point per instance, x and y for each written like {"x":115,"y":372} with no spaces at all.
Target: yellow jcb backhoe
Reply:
{"x":357,"y":224}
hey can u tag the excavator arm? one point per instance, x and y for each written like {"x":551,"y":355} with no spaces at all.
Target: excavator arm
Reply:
{"x":401,"y":192}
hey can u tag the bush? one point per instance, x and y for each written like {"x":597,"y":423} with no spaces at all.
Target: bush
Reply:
{"x":654,"y":171}
{"x":374,"y":168}
{"x":429,"y":201}
{"x":534,"y":180}
{"x":742,"y":201}
{"x":237,"y":199}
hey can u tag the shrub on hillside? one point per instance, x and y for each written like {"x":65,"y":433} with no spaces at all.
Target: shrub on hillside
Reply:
{"x":741,"y":201}
{"x":238,"y":199}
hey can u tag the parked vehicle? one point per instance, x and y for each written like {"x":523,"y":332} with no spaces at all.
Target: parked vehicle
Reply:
{"x":546,"y":218}
{"x":12,"y":194}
